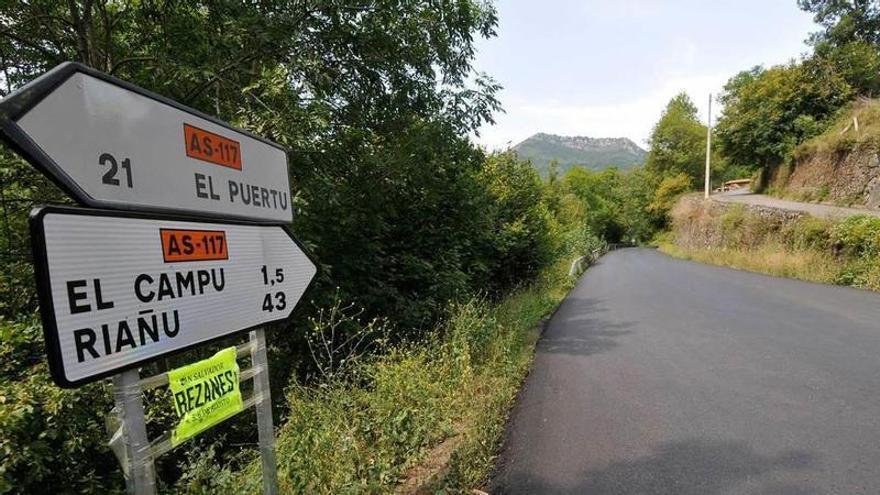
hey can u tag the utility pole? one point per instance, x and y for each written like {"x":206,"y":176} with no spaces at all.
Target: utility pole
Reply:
{"x":708,"y":147}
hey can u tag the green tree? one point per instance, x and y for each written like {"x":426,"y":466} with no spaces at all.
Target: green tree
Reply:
{"x":345,"y":86}
{"x":845,"y":21}
{"x":613,"y":204}
{"x":373,"y":100}
{"x":678,"y":140}
{"x":596,"y":191}
{"x":517,"y":238}
{"x":667,"y":193}
{"x":326,"y":63}
{"x":850,"y":40}
{"x":396,"y":221}
{"x":635,"y":192}
{"x":769,"y":112}
{"x":857,"y":62}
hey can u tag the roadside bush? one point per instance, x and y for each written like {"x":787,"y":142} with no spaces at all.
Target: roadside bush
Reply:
{"x":361,"y":434}
{"x":857,"y":239}
{"x":580,"y":241}
{"x":858,"y":236}
{"x":843,"y":252}
{"x":741,"y":228}
{"x":518,"y":242}
{"x":358,"y":435}
{"x":49,"y":437}
{"x":668,"y":192}
{"x":809,"y":232}
{"x":731,"y":222}
{"x":363,"y":431}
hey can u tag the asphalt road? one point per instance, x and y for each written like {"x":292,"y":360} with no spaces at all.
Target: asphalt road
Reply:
{"x":662,"y":376}
{"x":817,"y":210}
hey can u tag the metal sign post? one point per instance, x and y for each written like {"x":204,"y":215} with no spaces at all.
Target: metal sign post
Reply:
{"x":137,"y":454}
{"x":263,"y":396}
{"x":191,"y":247}
{"x":140,"y":470}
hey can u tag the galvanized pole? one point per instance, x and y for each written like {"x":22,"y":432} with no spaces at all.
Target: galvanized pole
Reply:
{"x":140,"y":473}
{"x":264,"y":411}
{"x":708,"y":146}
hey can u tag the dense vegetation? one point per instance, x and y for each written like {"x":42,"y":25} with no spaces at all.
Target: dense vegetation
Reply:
{"x":365,"y":430}
{"x":840,"y":251}
{"x":775,"y":120}
{"x":768,"y":112}
{"x":440,"y":256}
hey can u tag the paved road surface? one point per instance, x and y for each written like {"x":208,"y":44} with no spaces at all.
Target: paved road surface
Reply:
{"x":661,"y":376}
{"x":817,"y":210}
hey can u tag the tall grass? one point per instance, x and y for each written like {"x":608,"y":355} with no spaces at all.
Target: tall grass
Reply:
{"x":843,"y":135}
{"x":771,"y":259}
{"x":843,"y":252}
{"x":362,"y":432}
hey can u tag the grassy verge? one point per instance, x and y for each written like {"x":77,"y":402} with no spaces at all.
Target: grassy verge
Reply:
{"x":771,"y":259}
{"x":845,"y":252}
{"x":365,"y":432}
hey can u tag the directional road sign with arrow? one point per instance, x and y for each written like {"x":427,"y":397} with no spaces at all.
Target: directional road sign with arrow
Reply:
{"x":118,"y":288}
{"x":111,"y":144}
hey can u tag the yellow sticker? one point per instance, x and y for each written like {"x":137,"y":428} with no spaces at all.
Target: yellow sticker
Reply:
{"x":204,"y":394}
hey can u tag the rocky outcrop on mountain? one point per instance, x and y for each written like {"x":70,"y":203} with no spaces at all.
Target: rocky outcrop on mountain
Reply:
{"x":569,"y":151}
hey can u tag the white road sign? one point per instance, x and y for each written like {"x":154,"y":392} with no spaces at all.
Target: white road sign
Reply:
{"x":111,"y":144}
{"x":118,"y":289}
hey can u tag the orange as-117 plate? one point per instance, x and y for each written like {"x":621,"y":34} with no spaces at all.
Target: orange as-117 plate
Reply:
{"x":193,"y":245}
{"x":214,"y":148}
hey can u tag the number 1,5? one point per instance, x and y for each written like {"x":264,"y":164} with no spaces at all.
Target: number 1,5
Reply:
{"x":279,"y":276}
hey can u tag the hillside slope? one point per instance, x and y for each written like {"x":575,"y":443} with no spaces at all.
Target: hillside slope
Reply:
{"x":777,"y":238}
{"x":570,"y":151}
{"x":840,"y":166}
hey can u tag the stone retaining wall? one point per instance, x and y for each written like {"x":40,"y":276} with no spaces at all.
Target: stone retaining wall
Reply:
{"x":701,"y":223}
{"x":846,"y":178}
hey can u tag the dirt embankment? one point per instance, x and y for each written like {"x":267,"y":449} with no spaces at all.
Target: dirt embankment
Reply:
{"x":841,"y":165}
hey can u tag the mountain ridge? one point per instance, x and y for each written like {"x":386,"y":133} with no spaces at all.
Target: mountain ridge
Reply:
{"x":570,"y":151}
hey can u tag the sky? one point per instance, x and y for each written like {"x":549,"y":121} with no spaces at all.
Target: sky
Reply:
{"x":607,"y":68}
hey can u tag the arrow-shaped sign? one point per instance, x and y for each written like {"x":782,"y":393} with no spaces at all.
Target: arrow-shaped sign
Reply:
{"x":118,"y":289}
{"x":111,"y":144}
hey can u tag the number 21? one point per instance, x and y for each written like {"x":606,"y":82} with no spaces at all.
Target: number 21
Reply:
{"x":110,"y":175}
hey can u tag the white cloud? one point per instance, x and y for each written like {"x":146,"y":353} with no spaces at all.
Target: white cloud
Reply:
{"x":632,"y":118}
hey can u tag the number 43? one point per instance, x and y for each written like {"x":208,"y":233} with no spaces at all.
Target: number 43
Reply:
{"x":279,"y":303}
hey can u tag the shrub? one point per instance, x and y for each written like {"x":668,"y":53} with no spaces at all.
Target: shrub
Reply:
{"x":50,"y":437}
{"x":808,"y":233}
{"x":858,"y":235}
{"x":517,"y":239}
{"x":731,"y":221}
{"x":361,"y":434}
{"x":668,"y":192}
